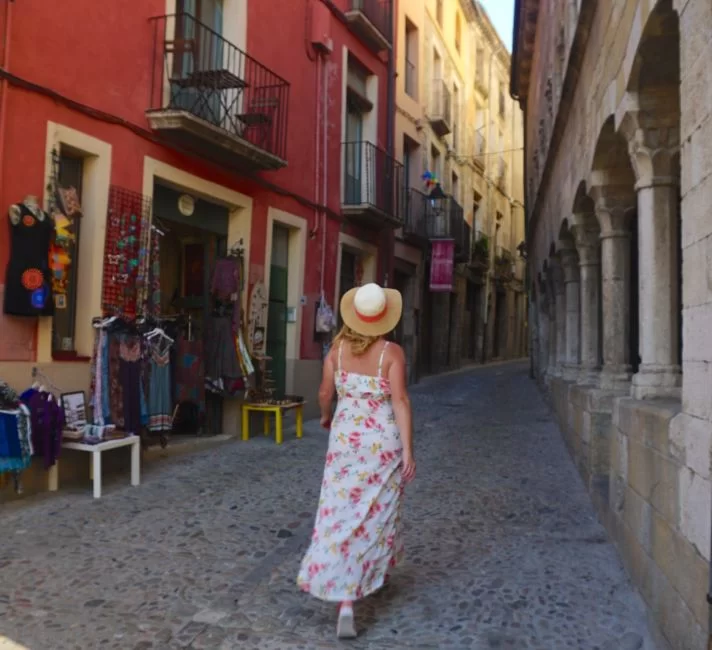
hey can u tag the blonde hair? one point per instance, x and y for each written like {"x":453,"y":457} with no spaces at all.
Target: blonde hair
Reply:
{"x":359,"y":343}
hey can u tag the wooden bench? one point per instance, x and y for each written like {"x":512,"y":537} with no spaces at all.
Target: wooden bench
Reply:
{"x":278,"y":410}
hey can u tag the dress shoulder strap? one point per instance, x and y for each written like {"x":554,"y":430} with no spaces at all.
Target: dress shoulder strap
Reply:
{"x":341,"y":348}
{"x":380,"y":360}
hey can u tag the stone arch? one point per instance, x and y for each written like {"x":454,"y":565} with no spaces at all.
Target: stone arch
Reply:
{"x":587,"y":234}
{"x":649,"y":115}
{"x":661,"y":22}
{"x":570,"y":311}
{"x":649,"y":119}
{"x":611,"y":186}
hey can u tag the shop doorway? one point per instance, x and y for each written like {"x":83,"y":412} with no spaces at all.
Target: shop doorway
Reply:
{"x":278,"y":300}
{"x":189,"y":249}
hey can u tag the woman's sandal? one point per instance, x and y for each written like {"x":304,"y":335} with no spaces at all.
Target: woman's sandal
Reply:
{"x":346,"y":626}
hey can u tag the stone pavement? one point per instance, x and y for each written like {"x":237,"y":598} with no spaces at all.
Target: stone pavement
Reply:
{"x":504,"y":551}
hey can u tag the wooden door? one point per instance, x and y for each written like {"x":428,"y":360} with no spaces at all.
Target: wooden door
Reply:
{"x":277,"y":317}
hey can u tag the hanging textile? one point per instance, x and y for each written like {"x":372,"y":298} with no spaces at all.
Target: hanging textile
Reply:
{"x":15,"y":440}
{"x":190,"y":373}
{"x":47,"y":420}
{"x":159,"y":392}
{"x":155,"y":274}
{"x":116,"y":395}
{"x":28,"y":281}
{"x":132,"y":388}
{"x":126,"y":252}
{"x":221,"y":359}
{"x":442,"y":265}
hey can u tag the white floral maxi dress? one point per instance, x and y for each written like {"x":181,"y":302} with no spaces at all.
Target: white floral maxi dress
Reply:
{"x":357,"y":535}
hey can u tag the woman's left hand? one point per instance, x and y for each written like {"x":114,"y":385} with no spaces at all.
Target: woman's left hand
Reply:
{"x":408,"y":468}
{"x":325,"y":422}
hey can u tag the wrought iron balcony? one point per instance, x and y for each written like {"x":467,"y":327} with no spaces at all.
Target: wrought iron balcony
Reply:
{"x":210,"y":97}
{"x":441,"y":108}
{"x":480,"y":257}
{"x":415,"y":226}
{"x":445,"y":219}
{"x":503,"y":265}
{"x":374,"y":186}
{"x":372,"y":21}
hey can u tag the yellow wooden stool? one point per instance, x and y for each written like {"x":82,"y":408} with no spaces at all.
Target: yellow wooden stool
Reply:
{"x":278,"y":410}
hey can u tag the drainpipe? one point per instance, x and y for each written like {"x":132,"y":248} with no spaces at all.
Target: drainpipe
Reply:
{"x":5,"y":86}
{"x":325,"y":157}
{"x":317,"y":112}
{"x":389,"y":239}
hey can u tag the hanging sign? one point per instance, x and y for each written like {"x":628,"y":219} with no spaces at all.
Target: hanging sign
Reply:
{"x":442,"y":264}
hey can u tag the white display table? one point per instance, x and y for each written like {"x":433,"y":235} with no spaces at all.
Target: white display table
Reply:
{"x":96,"y":450}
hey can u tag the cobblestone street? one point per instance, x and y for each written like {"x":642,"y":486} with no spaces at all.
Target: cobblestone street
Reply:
{"x":503,"y":549}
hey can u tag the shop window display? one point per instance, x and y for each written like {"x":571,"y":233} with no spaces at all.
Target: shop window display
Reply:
{"x":64,"y":254}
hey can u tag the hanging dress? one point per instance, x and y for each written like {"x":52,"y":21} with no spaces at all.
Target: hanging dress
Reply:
{"x":159,"y":392}
{"x":357,"y":534}
{"x":130,"y":375}
{"x":28,"y":282}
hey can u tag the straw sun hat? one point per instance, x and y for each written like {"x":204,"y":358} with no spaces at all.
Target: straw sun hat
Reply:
{"x":371,"y":310}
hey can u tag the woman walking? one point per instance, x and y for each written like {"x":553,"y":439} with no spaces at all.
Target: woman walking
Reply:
{"x":357,"y":534}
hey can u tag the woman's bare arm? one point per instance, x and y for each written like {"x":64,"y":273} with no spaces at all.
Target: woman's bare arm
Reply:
{"x":401,"y":406}
{"x":327,"y":388}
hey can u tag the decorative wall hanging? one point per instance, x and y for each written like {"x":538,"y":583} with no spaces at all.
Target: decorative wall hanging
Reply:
{"x":126,"y":253}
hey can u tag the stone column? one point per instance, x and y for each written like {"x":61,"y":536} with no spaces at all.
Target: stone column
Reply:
{"x":570,"y":265}
{"x":551,"y":304}
{"x":652,"y":148}
{"x":614,"y":205}
{"x":560,"y":293}
{"x":542,"y":320}
{"x":586,"y":232}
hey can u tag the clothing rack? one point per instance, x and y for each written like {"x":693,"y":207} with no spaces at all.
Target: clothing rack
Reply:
{"x":39,"y":376}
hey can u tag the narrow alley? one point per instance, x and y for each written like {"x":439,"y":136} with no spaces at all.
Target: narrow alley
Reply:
{"x":503,"y":547}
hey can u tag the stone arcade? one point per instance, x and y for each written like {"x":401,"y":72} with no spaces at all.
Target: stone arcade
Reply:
{"x":619,"y":176}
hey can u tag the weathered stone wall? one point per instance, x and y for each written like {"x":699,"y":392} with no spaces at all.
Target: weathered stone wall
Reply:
{"x":649,"y":477}
{"x":641,"y":441}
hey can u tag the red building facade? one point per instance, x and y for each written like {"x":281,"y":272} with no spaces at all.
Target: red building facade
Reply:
{"x":264,"y":123}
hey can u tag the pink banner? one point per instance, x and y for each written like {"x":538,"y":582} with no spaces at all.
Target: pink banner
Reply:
{"x":442,"y":263}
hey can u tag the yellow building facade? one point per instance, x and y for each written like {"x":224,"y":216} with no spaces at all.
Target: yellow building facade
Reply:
{"x":455,"y":118}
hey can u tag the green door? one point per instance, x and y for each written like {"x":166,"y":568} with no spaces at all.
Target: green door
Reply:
{"x":277,"y":316}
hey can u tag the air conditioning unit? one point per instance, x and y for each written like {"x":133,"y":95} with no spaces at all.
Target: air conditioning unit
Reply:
{"x":321,"y":28}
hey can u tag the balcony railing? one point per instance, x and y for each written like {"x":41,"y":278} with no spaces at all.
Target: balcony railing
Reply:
{"x":206,"y":92}
{"x":445,"y":219}
{"x":411,"y":80}
{"x":372,"y":20}
{"x":374,"y":185}
{"x":480,"y":257}
{"x":415,"y":226}
{"x":441,"y":108}
{"x":503,"y":265}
